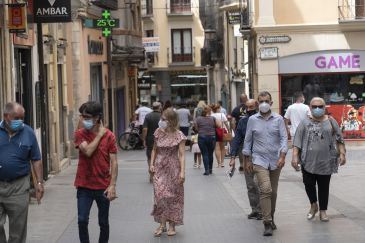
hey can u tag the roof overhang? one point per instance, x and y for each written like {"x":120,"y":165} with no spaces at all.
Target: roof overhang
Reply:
{"x":233,"y":6}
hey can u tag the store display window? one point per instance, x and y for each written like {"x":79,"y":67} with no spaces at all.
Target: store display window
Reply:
{"x":344,"y":95}
{"x":188,"y":88}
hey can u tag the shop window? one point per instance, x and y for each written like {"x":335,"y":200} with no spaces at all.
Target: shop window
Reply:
{"x":181,"y":45}
{"x":188,"y":88}
{"x":344,"y":95}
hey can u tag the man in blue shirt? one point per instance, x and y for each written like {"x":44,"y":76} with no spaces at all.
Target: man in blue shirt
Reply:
{"x":266,"y":142}
{"x":18,"y":146}
{"x":236,"y":145}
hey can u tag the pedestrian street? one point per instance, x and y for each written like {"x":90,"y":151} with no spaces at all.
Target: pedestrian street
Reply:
{"x":216,"y":207}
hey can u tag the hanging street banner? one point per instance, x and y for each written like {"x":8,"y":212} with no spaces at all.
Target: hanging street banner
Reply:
{"x":151,"y":44}
{"x":52,"y":11}
{"x":234,"y":17}
{"x":17,"y":18}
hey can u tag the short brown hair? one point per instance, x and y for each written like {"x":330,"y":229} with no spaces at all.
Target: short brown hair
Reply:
{"x":172,"y":118}
{"x":206,"y":111}
{"x":215,"y":107}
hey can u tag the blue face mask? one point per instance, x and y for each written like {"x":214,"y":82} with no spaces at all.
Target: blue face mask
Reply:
{"x":318,"y":112}
{"x":16,"y":125}
{"x":88,"y":124}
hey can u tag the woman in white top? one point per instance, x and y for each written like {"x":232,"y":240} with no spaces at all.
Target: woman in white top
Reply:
{"x":219,"y":146}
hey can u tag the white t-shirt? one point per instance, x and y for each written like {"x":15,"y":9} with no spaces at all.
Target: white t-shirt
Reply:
{"x":142,"y":112}
{"x":296,"y":113}
{"x":220,"y":117}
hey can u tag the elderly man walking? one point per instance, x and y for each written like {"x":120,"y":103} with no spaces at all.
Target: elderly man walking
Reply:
{"x":238,"y":112}
{"x":266,"y":141}
{"x":18,"y":147}
{"x":237,"y":144}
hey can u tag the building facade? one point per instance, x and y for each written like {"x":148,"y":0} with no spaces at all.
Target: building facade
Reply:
{"x":174,"y":69}
{"x":20,"y":77}
{"x":78,"y":64}
{"x":236,"y":61}
{"x":321,"y":54}
{"x":127,"y":54}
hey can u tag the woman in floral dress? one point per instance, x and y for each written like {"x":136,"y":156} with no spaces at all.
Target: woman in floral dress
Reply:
{"x":168,"y":166}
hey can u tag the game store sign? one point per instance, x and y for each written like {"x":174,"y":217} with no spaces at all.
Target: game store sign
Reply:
{"x":324,"y":62}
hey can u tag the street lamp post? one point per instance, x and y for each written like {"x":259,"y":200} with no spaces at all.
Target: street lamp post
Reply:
{"x":210,"y":35}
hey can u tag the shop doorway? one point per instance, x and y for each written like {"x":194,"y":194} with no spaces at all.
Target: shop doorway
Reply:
{"x":96,"y":79}
{"x":24,"y":82}
{"x":120,"y":99}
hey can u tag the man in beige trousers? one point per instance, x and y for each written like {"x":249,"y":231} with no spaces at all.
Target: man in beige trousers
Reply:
{"x":265,"y":148}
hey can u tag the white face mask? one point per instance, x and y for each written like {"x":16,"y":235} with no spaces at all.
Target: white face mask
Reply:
{"x":162,"y":124}
{"x":264,"y":107}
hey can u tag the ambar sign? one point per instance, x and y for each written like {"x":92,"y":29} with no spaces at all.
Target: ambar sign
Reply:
{"x":52,"y":11}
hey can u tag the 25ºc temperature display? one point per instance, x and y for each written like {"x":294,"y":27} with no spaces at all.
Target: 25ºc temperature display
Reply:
{"x":111,"y":23}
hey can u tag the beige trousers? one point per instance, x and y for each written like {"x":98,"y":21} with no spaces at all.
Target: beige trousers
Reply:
{"x":14,"y":200}
{"x":268,"y":181}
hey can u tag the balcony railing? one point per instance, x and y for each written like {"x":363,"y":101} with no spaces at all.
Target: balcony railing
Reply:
{"x":351,"y":10}
{"x":181,"y":59}
{"x":179,"y":9}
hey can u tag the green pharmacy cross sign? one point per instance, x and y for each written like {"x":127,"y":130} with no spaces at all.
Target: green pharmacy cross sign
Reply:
{"x":105,"y":23}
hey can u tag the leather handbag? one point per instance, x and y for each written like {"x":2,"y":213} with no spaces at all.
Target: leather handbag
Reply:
{"x":227,"y":137}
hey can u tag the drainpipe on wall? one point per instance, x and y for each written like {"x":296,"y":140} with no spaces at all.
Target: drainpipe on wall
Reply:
{"x":2,"y":65}
{"x":54,"y":128}
{"x":8,"y":47}
{"x":266,"y":10}
{"x":43,"y":83}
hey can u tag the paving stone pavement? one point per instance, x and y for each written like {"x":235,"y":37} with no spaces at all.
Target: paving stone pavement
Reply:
{"x":215,"y":207}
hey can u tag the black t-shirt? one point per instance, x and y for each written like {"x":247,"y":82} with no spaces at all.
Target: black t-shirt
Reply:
{"x":238,"y":112}
{"x":151,"y":123}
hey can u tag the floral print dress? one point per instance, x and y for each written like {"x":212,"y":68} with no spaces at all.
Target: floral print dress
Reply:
{"x":168,"y":191}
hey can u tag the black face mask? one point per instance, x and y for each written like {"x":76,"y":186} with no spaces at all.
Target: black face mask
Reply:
{"x":250,"y":113}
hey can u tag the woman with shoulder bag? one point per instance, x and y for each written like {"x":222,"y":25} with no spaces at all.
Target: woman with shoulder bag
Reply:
{"x":319,"y":148}
{"x":220,"y":150}
{"x":205,"y":125}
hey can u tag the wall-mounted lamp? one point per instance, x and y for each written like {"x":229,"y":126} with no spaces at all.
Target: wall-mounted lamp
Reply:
{"x":62,"y":43}
{"x":48,"y":40}
{"x":210,"y":34}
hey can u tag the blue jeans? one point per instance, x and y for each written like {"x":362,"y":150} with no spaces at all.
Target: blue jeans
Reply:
{"x":85,"y":199}
{"x":207,"y":144}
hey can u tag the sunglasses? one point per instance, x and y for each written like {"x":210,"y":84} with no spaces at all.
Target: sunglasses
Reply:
{"x":317,"y":106}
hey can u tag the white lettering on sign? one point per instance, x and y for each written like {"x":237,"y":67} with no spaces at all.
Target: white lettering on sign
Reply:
{"x":52,"y":11}
{"x":336,"y":62}
{"x":324,"y":61}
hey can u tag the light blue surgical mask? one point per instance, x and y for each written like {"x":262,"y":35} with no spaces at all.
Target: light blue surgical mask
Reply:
{"x":88,"y":124}
{"x":16,"y":125}
{"x":318,"y":112}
